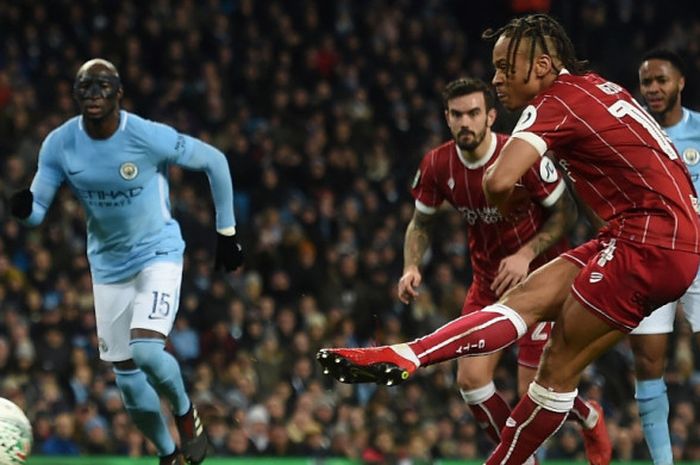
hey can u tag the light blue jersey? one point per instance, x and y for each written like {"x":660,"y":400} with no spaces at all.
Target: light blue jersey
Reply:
{"x":685,"y":135}
{"x":122,"y":184}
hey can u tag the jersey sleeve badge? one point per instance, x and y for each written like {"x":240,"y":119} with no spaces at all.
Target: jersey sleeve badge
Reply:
{"x":548,"y":172}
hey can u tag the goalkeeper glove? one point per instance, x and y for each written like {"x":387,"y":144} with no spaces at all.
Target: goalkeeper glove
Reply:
{"x":21,"y":204}
{"x":229,"y":253}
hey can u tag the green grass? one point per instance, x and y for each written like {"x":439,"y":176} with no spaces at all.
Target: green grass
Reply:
{"x":87,"y":460}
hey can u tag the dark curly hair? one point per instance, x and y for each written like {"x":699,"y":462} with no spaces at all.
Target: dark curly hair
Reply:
{"x":541,"y":29}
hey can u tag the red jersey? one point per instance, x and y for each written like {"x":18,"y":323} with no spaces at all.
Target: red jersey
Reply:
{"x":444,"y":174}
{"x":619,"y":159}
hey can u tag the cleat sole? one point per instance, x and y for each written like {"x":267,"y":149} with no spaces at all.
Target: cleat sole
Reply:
{"x":345,"y":371}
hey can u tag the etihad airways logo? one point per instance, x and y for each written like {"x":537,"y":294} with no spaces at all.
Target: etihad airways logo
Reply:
{"x":109,"y":198}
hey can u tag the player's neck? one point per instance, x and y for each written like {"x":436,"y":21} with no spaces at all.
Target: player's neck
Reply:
{"x":671,"y":117}
{"x":103,"y":128}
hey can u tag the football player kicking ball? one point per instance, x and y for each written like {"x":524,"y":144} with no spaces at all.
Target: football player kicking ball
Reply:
{"x":626,"y":169}
{"x":503,"y":249}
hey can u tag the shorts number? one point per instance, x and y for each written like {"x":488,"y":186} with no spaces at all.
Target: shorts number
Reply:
{"x":636,"y":112}
{"x":539,"y":333}
{"x":161,"y":305}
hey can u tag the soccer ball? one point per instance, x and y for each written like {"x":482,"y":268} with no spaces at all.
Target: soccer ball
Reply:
{"x":15,"y":434}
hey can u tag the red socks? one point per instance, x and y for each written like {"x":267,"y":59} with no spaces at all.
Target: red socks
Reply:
{"x":538,"y":415}
{"x":483,"y":332}
{"x":489,"y":408}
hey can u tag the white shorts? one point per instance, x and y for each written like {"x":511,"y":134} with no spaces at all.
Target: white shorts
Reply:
{"x":149,"y":300}
{"x":661,"y":319}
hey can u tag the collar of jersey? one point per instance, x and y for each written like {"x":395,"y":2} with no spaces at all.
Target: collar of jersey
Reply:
{"x":123,"y":115}
{"x":472,"y":165}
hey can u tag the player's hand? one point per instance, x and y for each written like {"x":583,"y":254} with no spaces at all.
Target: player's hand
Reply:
{"x":511,"y":271}
{"x":21,"y":204}
{"x":408,"y":284}
{"x":229,"y":253}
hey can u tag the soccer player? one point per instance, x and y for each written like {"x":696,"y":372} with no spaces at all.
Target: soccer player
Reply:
{"x":626,"y":169}
{"x":116,"y":163}
{"x":661,"y":81}
{"x":503,"y":250}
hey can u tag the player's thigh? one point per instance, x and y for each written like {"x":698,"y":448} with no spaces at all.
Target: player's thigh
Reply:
{"x":476,"y":372}
{"x":579,"y":336}
{"x":691,"y":305}
{"x":541,"y":296}
{"x":113,"y":314}
{"x":157,"y":297}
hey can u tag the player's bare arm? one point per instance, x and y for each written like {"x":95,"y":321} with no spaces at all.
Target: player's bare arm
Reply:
{"x":500,"y":178}
{"x":514,"y":268}
{"x":417,"y":241}
{"x":562,"y":217}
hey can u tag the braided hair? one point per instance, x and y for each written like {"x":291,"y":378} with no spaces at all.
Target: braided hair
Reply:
{"x":541,"y":29}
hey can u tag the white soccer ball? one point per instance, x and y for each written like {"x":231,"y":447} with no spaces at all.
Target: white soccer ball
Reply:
{"x":15,"y":434}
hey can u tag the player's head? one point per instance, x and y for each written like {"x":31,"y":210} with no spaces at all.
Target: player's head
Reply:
{"x":97,"y":89}
{"x":528,"y":54}
{"x":661,"y":80}
{"x":469,"y":111}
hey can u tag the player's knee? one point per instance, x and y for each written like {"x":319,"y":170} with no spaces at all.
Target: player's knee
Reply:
{"x":472,"y":379}
{"x":553,"y":371}
{"x":146,"y":353}
{"x":132,"y":384}
{"x":648,"y":366}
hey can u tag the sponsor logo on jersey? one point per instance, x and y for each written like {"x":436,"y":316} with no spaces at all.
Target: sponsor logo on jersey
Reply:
{"x":112,"y":198}
{"x":595,"y":277}
{"x":416,"y":179}
{"x":548,"y":172}
{"x":451,"y":183}
{"x":510,"y":423}
{"x":103,"y":345}
{"x":691,"y":156}
{"x":129,"y":170}
{"x":527,"y":119}
{"x":488,"y":215}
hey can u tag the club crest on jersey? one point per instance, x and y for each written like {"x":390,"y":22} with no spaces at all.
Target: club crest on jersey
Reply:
{"x":691,"y":156}
{"x":129,"y":170}
{"x":416,"y":178}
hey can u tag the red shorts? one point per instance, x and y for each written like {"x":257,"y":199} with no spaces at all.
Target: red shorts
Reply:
{"x":531,"y":345}
{"x":622,"y":282}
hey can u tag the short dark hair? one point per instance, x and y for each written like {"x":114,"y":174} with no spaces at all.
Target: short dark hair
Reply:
{"x":466,"y":86}
{"x":666,"y":54}
{"x":538,"y":28}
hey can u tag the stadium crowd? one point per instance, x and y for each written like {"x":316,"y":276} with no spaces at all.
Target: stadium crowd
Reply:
{"x":324,"y":110}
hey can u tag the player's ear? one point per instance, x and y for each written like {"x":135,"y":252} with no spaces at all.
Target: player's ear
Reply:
{"x":681,"y":83}
{"x":491,"y":117}
{"x":543,"y":65}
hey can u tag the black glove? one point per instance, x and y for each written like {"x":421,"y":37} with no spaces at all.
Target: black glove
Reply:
{"x":21,"y":204}
{"x":229,"y":253}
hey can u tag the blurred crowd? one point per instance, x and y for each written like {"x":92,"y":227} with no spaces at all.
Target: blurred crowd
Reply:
{"x":324,"y":109}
